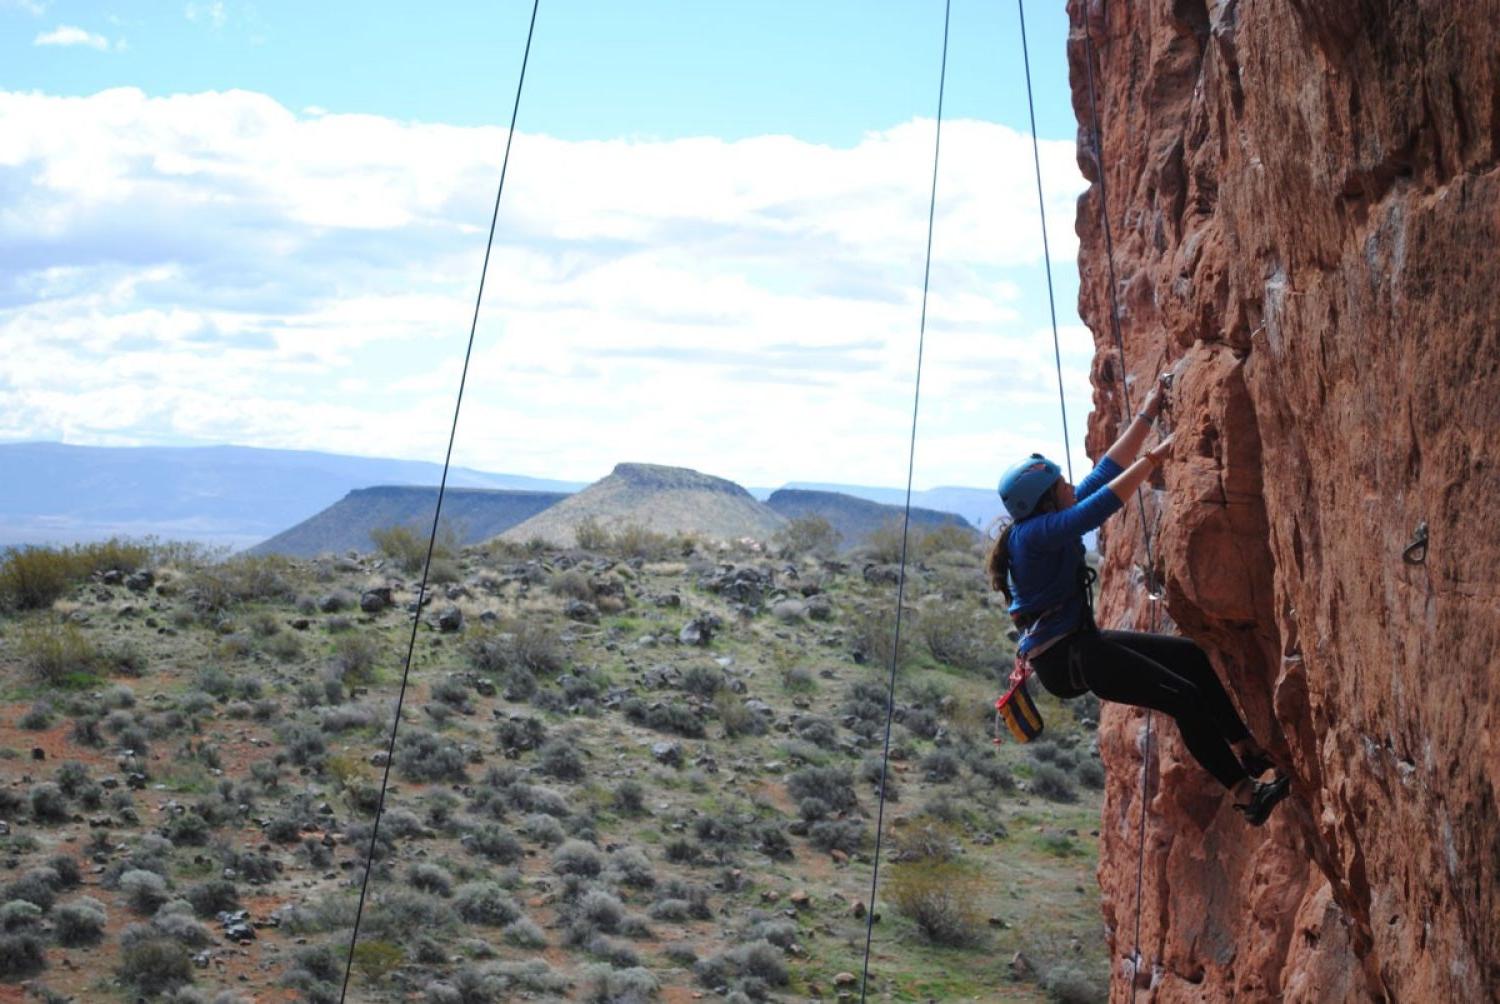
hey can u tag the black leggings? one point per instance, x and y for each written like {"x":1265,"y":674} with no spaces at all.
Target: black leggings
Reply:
{"x":1168,"y":674}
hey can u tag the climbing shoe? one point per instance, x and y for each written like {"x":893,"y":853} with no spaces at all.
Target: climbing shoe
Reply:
{"x":1256,"y":764}
{"x":1264,"y":799}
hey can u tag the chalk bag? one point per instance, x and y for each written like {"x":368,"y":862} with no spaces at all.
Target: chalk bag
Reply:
{"x":1019,"y":714}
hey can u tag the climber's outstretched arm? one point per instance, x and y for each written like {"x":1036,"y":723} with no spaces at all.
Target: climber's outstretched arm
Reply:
{"x":1129,"y":444}
{"x":1125,"y":485}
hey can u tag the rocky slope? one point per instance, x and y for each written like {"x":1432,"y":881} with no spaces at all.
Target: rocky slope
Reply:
{"x":1301,"y":198}
{"x":657,"y":498}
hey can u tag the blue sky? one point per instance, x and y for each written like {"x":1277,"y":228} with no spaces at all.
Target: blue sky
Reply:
{"x":262,"y":223}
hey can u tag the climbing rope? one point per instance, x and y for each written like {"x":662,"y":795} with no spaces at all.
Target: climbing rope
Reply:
{"x":1114,"y":317}
{"x":911,"y":458}
{"x":1041,"y":207}
{"x":416,"y":620}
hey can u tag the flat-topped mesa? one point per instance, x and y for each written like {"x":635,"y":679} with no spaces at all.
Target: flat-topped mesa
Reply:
{"x":659,"y":477}
{"x":670,"y":500}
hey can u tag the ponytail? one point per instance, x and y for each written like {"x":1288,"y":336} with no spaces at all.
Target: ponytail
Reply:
{"x":998,"y":563}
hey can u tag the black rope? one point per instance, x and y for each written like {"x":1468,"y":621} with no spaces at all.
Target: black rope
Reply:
{"x":416,"y":619}
{"x":911,"y":459}
{"x":1109,"y":255}
{"x":1041,"y":206}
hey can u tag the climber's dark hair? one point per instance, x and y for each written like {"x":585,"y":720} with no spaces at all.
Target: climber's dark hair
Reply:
{"x":998,"y":562}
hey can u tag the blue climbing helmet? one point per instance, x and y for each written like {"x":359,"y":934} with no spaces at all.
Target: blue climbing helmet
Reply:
{"x":1023,"y":486}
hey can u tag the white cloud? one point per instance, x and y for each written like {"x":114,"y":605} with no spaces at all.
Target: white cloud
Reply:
{"x":213,"y":14}
{"x":219,"y":267}
{"x":36,"y":8}
{"x":68,"y":35}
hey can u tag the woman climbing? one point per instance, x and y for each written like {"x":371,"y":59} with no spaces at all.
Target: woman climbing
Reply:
{"x":1038,"y":563}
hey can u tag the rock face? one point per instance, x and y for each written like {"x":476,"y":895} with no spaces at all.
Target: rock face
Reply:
{"x":1302,"y":200}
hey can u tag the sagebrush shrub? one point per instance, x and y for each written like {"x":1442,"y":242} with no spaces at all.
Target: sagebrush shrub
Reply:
{"x":575,"y":857}
{"x":48,"y":803}
{"x":154,"y":965}
{"x":485,"y":903}
{"x":21,"y":955}
{"x":939,"y":898}
{"x":425,"y":756}
{"x":144,"y":891}
{"x":38,"y":886}
{"x":494,"y":843}
{"x":561,"y":759}
{"x":846,"y":835}
{"x":834,"y":786}
{"x":80,"y":922}
{"x":1050,"y":782}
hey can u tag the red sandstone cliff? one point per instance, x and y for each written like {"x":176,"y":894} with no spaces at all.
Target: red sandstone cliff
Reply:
{"x":1304,"y":201}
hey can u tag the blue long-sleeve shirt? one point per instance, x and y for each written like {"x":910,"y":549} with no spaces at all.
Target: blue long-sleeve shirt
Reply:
{"x":1046,"y":552}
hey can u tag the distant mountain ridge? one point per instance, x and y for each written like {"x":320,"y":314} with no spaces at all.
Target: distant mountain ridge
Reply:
{"x":856,"y":519}
{"x":237,"y":496}
{"x":473,"y":514}
{"x":230,"y":496}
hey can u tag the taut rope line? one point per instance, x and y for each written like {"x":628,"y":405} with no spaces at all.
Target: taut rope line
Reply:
{"x":1041,"y":208}
{"x":437,"y":512}
{"x":1109,"y":257}
{"x":911,"y":458}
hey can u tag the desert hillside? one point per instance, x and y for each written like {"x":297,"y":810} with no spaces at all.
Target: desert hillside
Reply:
{"x":643,"y":772}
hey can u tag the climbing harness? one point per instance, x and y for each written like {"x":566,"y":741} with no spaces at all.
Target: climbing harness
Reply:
{"x":416,"y":619}
{"x":911,"y":460}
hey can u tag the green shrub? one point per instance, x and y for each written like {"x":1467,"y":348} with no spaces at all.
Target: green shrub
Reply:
{"x":573,"y":583}
{"x":807,"y":535}
{"x":485,"y":903}
{"x":215,"y":588}
{"x":673,"y":716}
{"x":635,"y":540}
{"x":962,"y":637}
{"x":374,"y":960}
{"x":355,"y":657}
{"x":155,"y":964}
{"x":1050,"y":782}
{"x":834,"y":786}
{"x":1068,"y":983}
{"x":591,"y":535}
{"x":36,"y":718}
{"x":32,"y":578}
{"x":80,"y":922}
{"x":872,"y":636}
{"x":58,"y":654}
{"x":408,"y":547}
{"x":947,"y":538}
{"x":575,"y":857}
{"x":21,"y":955}
{"x":425,"y":756}
{"x":940,"y":898}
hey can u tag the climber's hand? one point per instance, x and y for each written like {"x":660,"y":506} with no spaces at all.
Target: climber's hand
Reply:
{"x":1157,"y":399}
{"x":1161,"y":452}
